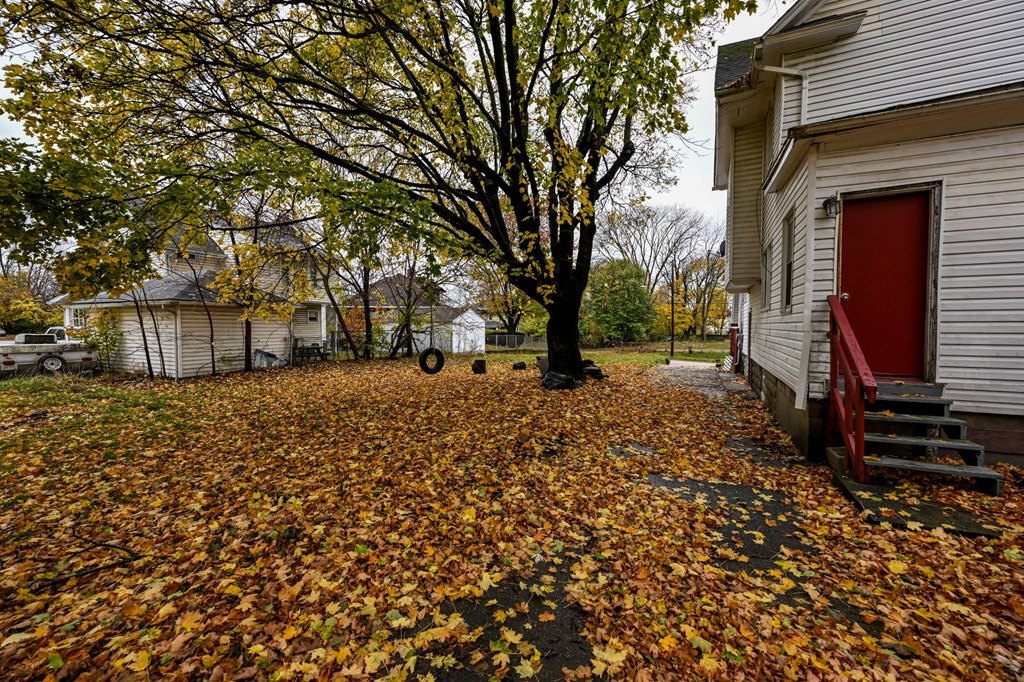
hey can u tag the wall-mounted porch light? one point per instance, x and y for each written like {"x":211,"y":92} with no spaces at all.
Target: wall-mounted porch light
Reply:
{"x":831,"y":206}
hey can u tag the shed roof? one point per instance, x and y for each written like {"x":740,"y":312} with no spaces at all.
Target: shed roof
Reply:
{"x":734,"y":62}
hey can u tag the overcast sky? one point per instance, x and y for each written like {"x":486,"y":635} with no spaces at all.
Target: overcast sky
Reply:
{"x":696,"y":172}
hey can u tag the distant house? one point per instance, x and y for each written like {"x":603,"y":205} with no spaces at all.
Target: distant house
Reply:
{"x":182,"y":318}
{"x":874,"y":150}
{"x":451,"y":329}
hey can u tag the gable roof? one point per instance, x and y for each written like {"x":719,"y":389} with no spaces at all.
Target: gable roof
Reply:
{"x":734,"y":63}
{"x":397,"y":291}
{"x":797,"y":14}
{"x":209,"y":247}
{"x":155,"y":290}
{"x":173,"y":289}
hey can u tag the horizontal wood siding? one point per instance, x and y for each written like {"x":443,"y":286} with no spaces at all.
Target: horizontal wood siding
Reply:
{"x":273,"y":336}
{"x":229,"y":339}
{"x":309,"y":332}
{"x":195,"y":264}
{"x":981,"y":257}
{"x":195,"y":340}
{"x":130,"y":355}
{"x":777,"y":333}
{"x":744,"y":215}
{"x":912,"y":51}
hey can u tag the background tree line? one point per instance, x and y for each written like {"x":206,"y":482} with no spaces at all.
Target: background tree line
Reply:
{"x":509,"y":124}
{"x":644,"y":252}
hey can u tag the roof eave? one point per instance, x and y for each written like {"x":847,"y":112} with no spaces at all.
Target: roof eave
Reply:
{"x":768,"y":49}
{"x":726,"y":119}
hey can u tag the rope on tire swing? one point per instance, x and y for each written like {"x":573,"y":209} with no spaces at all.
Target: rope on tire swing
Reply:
{"x":431,"y":359}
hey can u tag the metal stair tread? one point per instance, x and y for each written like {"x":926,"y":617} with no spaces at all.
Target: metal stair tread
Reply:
{"x":932,"y":467}
{"x":930,"y":419}
{"x":928,"y":441}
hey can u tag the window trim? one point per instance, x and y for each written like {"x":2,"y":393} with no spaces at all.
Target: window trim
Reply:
{"x":767,"y":271}
{"x":788,"y":260}
{"x":78,"y":318}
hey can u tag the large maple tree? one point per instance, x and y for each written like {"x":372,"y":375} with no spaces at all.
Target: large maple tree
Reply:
{"x":508,"y":119}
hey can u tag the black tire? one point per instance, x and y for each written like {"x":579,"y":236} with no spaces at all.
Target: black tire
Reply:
{"x":52,"y":364}
{"x":438,"y":361}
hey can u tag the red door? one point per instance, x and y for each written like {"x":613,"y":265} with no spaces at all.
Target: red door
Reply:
{"x":883,"y":275}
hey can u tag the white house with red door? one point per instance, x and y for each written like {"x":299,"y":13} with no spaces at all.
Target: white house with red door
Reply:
{"x":873,"y":150}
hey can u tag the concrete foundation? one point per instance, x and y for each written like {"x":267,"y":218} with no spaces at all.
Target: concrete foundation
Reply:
{"x":806,"y":427}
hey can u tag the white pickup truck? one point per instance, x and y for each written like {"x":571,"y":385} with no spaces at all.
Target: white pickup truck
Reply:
{"x":50,"y":353}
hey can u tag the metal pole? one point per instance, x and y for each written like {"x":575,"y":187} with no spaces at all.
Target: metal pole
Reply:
{"x":672,"y":349}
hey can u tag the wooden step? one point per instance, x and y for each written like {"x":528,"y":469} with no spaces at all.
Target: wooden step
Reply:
{"x":972,"y":453}
{"x":899,"y":388}
{"x":894,"y":388}
{"x":954,"y":428}
{"x":991,"y":480}
{"x":912,"y":404}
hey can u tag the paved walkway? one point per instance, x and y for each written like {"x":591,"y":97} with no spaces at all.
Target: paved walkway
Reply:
{"x":701,"y":376}
{"x":877,"y":500}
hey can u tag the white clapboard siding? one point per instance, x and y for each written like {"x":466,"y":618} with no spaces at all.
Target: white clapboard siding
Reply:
{"x":744,"y":214}
{"x":195,"y":264}
{"x":194,"y":327}
{"x":302,"y":328}
{"x":273,"y":336}
{"x":774,"y":123}
{"x":229,"y":339}
{"x":130,"y":355}
{"x":912,"y":51}
{"x":981,"y":257}
{"x":778,"y":333}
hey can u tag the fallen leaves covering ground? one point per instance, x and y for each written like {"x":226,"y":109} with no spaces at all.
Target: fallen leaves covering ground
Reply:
{"x":365,"y":521}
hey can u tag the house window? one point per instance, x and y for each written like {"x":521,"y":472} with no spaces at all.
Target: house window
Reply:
{"x":313,"y":316}
{"x":766,"y":278}
{"x":787,"y":263}
{"x":78,"y":317}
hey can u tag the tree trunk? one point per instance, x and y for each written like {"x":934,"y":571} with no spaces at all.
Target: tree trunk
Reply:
{"x":247,"y":346}
{"x":145,"y":341}
{"x":564,"y":337}
{"x":367,"y":318}
{"x":325,"y":274}
{"x":159,"y":343}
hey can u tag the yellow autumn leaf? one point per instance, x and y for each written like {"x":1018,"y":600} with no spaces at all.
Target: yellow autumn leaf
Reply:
{"x":897,"y":567}
{"x":668,"y":642}
{"x":141,"y":662}
{"x":190,"y":620}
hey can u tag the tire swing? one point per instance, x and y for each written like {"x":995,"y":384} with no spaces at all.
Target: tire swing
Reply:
{"x":431,"y":353}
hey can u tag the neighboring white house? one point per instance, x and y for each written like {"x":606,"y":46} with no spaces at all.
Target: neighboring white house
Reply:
{"x":906,"y":117}
{"x":451,"y":329}
{"x":184,"y":328}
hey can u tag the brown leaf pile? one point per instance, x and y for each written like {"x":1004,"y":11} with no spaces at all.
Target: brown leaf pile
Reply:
{"x":338,"y":521}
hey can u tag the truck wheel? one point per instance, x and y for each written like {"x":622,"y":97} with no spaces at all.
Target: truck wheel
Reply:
{"x":53,"y":364}
{"x":425,"y":361}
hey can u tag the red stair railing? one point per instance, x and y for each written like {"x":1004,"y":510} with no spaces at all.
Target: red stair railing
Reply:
{"x":846,"y":413}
